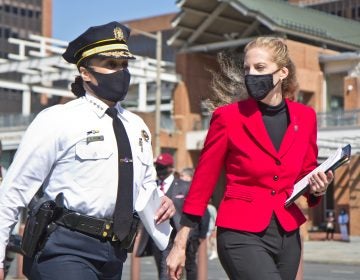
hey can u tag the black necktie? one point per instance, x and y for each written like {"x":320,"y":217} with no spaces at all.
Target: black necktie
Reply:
{"x":123,"y":213}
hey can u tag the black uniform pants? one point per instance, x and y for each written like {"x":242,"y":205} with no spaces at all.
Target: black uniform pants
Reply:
{"x":71,"y":255}
{"x":272,"y":255}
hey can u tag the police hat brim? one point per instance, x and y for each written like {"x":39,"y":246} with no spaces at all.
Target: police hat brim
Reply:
{"x":116,"y":54}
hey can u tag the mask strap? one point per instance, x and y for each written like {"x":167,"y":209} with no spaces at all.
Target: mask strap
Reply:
{"x":276,"y":71}
{"x":279,"y":79}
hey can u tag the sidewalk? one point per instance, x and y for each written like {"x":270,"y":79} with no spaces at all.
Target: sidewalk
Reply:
{"x":317,"y":250}
{"x":335,"y":251}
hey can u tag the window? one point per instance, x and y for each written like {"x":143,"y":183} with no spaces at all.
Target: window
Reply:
{"x":7,"y":33}
{"x":304,"y":97}
{"x":336,"y":103}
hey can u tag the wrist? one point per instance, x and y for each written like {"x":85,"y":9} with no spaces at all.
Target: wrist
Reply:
{"x":181,"y":238}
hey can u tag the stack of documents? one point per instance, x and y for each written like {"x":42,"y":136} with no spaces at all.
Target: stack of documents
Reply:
{"x":146,"y":205}
{"x":335,"y":160}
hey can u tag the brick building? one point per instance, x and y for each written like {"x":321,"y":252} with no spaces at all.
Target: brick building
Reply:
{"x":19,"y":19}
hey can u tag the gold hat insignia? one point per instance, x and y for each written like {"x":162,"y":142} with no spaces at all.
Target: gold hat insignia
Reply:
{"x":118,"y":34}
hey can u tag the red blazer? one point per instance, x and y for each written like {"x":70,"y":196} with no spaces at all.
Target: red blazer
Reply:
{"x":258,"y":178}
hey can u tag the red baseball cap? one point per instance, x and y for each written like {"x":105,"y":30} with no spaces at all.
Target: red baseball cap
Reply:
{"x":165,"y":159}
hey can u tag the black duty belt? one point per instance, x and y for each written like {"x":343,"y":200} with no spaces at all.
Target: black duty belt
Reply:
{"x":95,"y":227}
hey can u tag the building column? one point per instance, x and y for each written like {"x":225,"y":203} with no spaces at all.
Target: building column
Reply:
{"x":142,"y":96}
{"x":26,"y":102}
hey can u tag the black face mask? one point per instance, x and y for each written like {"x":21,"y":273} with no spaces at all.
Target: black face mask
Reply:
{"x":259,"y":86}
{"x":113,"y":86}
{"x":162,"y":171}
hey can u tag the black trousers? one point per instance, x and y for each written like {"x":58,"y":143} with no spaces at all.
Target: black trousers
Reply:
{"x":71,"y":255}
{"x":272,"y":255}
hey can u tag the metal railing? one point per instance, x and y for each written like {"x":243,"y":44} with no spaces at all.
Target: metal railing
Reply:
{"x":9,"y":121}
{"x":13,"y":121}
{"x":339,"y":119}
{"x":325,"y":120}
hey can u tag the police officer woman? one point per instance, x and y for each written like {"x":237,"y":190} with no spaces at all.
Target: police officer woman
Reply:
{"x":94,"y":152}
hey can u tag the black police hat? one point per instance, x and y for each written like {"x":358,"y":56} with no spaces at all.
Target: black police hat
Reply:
{"x":104,"y":40}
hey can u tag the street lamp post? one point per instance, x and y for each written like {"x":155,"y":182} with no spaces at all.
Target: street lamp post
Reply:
{"x":158,"y":38}
{"x":158,"y":92}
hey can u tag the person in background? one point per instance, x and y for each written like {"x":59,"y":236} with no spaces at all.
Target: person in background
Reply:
{"x":186,"y":174}
{"x":266,"y":142}
{"x":211,"y":234}
{"x":343,"y":220}
{"x":330,"y":226}
{"x":90,"y":157}
{"x":176,"y":189}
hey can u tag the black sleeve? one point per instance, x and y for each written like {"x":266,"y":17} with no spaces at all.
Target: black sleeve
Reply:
{"x":190,"y":220}
{"x":204,"y":225}
{"x":313,"y":199}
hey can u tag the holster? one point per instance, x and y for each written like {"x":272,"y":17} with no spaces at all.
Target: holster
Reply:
{"x":128,"y":242}
{"x":41,"y":215}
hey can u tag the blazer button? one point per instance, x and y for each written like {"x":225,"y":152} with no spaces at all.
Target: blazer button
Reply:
{"x":278,"y":162}
{"x":273,"y":192}
{"x":276,"y":178}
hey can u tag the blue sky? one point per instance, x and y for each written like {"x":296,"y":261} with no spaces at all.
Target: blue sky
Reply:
{"x":72,"y":17}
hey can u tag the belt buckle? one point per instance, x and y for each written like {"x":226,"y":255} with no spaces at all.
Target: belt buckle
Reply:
{"x":114,"y":238}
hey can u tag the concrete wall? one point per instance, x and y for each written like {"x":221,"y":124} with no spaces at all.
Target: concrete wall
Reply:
{"x":309,"y":74}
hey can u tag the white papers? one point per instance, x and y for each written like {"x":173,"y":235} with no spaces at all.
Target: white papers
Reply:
{"x":332,"y":162}
{"x":146,"y":205}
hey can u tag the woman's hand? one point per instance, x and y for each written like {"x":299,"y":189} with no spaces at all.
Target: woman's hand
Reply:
{"x":319,"y":182}
{"x":2,"y":274}
{"x":176,"y":259}
{"x":165,"y":211}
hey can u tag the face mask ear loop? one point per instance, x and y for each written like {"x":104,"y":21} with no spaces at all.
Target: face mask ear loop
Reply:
{"x":273,"y":77}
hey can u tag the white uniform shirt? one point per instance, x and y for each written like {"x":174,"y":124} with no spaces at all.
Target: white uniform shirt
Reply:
{"x":72,"y":149}
{"x":167,"y":182}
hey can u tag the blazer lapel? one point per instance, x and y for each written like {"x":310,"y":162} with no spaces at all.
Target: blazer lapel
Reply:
{"x":291,"y":131}
{"x":256,"y":128}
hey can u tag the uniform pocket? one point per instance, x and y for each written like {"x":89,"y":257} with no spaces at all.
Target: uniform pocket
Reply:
{"x":92,"y":151}
{"x":94,"y":164}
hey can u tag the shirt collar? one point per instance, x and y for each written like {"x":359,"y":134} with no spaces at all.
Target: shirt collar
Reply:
{"x":99,"y":107}
{"x":96,"y":104}
{"x":168,"y":180}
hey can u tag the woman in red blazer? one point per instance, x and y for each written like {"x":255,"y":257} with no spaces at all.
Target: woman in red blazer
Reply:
{"x":266,"y":143}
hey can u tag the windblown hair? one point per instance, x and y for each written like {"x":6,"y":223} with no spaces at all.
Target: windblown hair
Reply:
{"x":228,"y":84}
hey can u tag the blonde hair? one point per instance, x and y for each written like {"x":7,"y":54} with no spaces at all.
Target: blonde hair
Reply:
{"x":228,"y":84}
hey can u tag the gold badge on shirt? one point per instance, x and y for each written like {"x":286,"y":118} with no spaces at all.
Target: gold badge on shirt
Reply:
{"x":145,"y":136}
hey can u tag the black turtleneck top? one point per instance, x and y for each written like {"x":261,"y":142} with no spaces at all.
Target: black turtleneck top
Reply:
{"x":276,"y":120}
